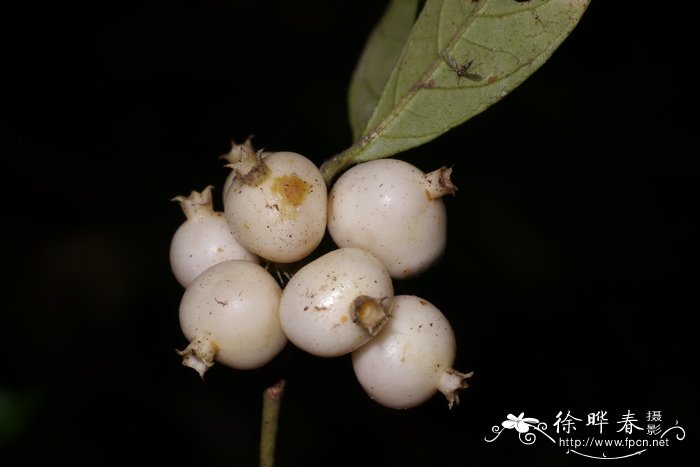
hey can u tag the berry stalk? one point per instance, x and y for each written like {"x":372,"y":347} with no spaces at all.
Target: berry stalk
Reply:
{"x":272,"y":400}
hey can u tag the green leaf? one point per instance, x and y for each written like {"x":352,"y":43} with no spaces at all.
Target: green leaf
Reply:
{"x":377,"y":60}
{"x":505,"y":40}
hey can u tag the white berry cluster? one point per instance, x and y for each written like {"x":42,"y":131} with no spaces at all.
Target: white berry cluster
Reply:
{"x":388,"y":221}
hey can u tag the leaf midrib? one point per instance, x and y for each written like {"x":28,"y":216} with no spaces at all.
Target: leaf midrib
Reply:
{"x":424,"y":78}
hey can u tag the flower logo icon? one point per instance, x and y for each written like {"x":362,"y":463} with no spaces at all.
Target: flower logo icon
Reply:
{"x":520,"y":423}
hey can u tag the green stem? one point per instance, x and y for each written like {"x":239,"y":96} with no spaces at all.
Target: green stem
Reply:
{"x":336,"y":164}
{"x":272,"y":400}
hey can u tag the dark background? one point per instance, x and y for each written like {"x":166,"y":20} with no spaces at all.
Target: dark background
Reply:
{"x":569,"y":278}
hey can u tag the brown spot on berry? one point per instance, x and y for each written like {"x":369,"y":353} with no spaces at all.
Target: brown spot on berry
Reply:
{"x":291,"y":188}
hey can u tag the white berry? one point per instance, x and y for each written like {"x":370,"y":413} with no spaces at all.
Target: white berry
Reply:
{"x":336,"y":303}
{"x":203,"y":240}
{"x":230,"y":313}
{"x":411,"y":358}
{"x":394,"y":210}
{"x":276,"y":206}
